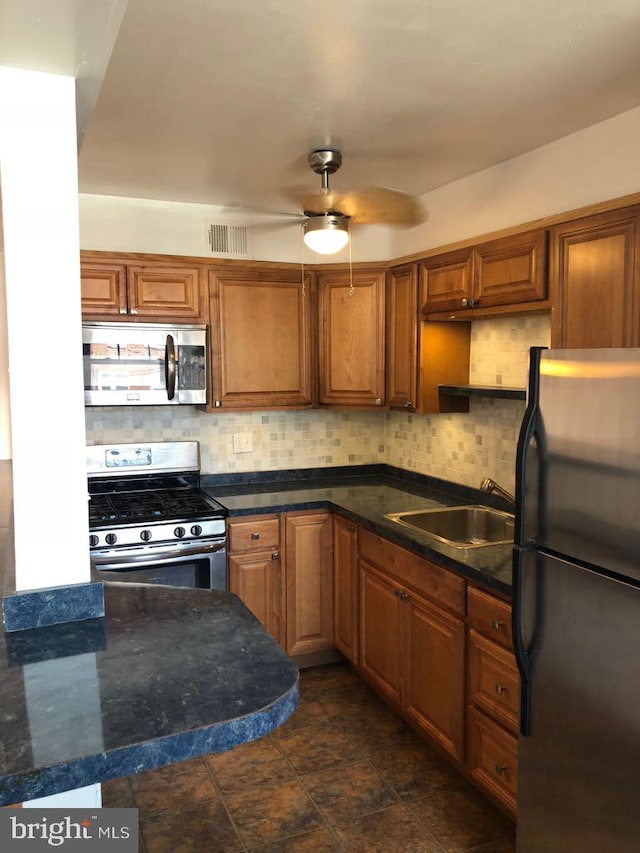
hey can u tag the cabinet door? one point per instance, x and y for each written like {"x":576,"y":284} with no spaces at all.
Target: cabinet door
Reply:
{"x":308,"y":576}
{"x":402,"y":337}
{"x":255,"y":578}
{"x":380,"y":627}
{"x":594,"y":279}
{"x":351,"y":345}
{"x":435,"y":677}
{"x":446,"y":281}
{"x":511,"y":270}
{"x":165,"y":292}
{"x":345,"y":588}
{"x":261,"y":339}
{"x":104,"y":289}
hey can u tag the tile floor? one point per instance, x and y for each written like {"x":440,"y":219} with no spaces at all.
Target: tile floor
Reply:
{"x":344,"y":773}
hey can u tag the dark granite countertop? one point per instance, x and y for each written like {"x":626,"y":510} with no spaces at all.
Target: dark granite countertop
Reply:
{"x":167,"y":674}
{"x":365,"y":496}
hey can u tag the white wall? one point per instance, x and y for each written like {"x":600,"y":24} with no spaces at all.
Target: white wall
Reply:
{"x":111,"y":223}
{"x":598,"y":163}
{"x":38,"y":164}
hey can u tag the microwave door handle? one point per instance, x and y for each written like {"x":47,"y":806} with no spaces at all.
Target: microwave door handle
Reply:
{"x":170,"y":367}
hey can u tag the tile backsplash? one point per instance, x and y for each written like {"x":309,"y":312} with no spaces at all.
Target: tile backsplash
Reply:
{"x":462,"y":448}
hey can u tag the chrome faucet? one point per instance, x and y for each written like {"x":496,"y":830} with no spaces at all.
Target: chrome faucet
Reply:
{"x":488,"y":485}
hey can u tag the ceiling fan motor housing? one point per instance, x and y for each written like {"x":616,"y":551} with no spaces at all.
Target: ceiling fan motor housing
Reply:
{"x":325,"y":161}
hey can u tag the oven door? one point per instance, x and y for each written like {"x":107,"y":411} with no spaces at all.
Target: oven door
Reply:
{"x":201,"y":564}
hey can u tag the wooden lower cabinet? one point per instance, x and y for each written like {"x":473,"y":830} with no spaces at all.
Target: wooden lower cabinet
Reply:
{"x":345,"y":587}
{"x":412,"y":649}
{"x":434,"y":683}
{"x":255,"y":570}
{"x":281,"y":566}
{"x":492,"y":759}
{"x":380,"y":627}
{"x":308,"y":582}
{"x":493,"y":693}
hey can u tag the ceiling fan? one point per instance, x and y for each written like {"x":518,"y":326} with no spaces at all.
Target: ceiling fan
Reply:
{"x":329,"y":215}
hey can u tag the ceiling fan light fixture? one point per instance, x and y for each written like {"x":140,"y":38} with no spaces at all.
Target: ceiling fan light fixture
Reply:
{"x":327,"y":233}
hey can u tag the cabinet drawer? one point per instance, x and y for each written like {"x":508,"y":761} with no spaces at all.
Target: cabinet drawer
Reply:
{"x":254,"y":534}
{"x":494,"y":685}
{"x":430,"y":580}
{"x":490,"y":616}
{"x":493,"y":758}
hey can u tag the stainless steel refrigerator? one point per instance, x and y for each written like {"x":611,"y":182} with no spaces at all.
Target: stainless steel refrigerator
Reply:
{"x":576,"y":603}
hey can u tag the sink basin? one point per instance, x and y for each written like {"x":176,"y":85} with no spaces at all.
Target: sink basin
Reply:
{"x":460,"y":526}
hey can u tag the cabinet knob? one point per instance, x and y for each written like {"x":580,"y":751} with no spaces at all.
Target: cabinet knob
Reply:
{"x":255,"y":535}
{"x":496,"y":624}
{"x":500,"y":689}
{"x":378,"y":401}
{"x":350,"y":527}
{"x":275,"y":555}
{"x":465,"y":302}
{"x":401,"y":594}
{"x":217,"y":403}
{"x":123,"y":310}
{"x":501,"y":769}
{"x":134,"y":310}
{"x":408,"y":404}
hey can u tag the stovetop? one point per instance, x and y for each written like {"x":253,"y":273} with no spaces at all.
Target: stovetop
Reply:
{"x":150,"y":505}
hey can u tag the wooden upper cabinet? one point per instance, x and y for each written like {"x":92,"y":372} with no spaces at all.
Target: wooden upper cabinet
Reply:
{"x":261,"y":339}
{"x":447,"y":281}
{"x":104,"y":289}
{"x":503,"y":272}
{"x":511,"y":269}
{"x":595,"y":281}
{"x":165,"y":292}
{"x":402,"y":337}
{"x":351,"y":350}
{"x":145,"y":292}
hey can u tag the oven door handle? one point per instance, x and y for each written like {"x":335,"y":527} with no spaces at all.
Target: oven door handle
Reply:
{"x":149,"y":559}
{"x":170,"y":367}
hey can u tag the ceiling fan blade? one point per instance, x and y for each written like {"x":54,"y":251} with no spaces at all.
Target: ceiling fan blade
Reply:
{"x":317,"y":202}
{"x":381,"y":205}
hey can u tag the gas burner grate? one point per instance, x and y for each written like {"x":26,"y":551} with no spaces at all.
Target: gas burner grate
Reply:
{"x":150,"y":506}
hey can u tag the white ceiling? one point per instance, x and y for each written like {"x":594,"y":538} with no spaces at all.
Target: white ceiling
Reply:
{"x":219,"y":101}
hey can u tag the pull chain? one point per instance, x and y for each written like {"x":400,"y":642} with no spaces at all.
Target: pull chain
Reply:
{"x":351,"y":290}
{"x":302,"y":259}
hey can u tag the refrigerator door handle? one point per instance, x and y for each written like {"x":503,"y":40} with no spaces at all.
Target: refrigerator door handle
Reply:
{"x":530,"y":430}
{"x":522,"y":656}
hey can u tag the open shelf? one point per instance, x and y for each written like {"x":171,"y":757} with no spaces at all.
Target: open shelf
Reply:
{"x":501,"y":391}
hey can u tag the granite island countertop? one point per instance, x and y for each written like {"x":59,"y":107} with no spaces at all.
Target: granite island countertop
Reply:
{"x":167,"y":674}
{"x":366,"y":498}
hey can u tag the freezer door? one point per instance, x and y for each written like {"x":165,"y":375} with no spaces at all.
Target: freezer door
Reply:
{"x":590,"y":413}
{"x":579,"y":770}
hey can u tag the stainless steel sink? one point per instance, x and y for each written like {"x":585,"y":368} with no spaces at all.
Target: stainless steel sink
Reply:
{"x":460,"y":526}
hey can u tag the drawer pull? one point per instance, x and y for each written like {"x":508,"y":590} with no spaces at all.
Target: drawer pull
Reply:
{"x":501,"y":769}
{"x":500,"y":689}
{"x":401,"y":594}
{"x":496,"y":624}
{"x":255,"y":535}
{"x":275,"y":555}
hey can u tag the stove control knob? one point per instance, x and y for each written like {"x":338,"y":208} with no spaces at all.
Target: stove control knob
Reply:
{"x":93,"y":540}
{"x":145,"y":535}
{"x":196,"y":530}
{"x":111,"y":538}
{"x":179,"y":532}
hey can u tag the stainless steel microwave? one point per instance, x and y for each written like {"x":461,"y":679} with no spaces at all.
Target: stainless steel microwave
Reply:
{"x":144,"y":364}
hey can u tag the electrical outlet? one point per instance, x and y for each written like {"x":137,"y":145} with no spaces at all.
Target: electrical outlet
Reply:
{"x":242,"y":442}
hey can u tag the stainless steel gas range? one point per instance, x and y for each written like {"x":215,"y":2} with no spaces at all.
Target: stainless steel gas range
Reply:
{"x":149,"y":520}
